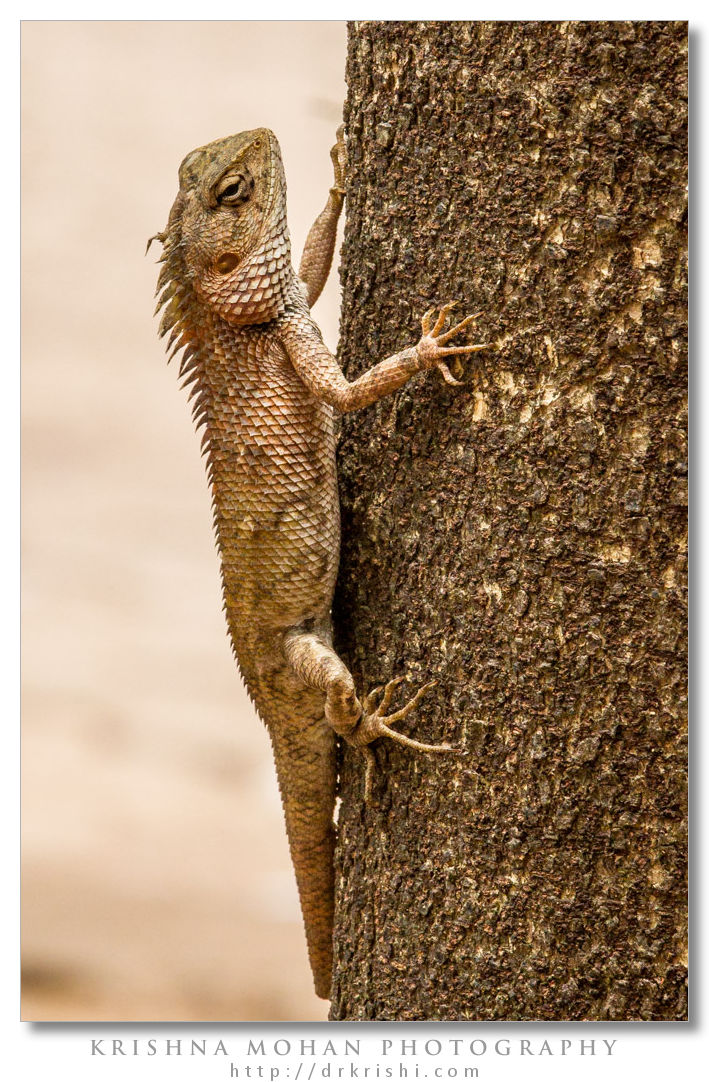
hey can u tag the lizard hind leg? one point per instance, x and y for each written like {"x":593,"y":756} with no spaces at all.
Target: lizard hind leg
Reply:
{"x":316,"y":663}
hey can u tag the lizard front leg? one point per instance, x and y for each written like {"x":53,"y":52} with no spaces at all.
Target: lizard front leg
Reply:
{"x":315,"y":662}
{"x":321,"y":373}
{"x":319,"y":247}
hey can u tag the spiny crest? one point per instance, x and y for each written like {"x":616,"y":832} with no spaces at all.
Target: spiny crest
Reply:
{"x":178,"y":304}
{"x":173,"y":294}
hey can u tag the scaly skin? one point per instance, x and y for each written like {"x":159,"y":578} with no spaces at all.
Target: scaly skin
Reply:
{"x":265,"y":389}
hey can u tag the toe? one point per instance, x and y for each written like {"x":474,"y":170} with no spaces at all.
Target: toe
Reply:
{"x":446,"y":308}
{"x":426,"y":320}
{"x":455,"y":330}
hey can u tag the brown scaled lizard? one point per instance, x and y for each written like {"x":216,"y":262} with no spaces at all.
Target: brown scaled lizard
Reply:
{"x":265,"y":390}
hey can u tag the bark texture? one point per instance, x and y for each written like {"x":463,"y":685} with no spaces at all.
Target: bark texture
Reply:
{"x":522,"y":539}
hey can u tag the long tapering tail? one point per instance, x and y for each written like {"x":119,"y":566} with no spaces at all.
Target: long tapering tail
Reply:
{"x":305,"y":764}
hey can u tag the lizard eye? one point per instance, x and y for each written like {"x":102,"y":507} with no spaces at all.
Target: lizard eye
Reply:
{"x":231,"y":190}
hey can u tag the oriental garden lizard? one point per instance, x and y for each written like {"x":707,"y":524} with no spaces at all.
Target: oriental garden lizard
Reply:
{"x":265,"y":390}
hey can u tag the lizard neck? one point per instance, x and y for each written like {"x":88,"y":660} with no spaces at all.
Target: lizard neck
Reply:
{"x":259,"y":289}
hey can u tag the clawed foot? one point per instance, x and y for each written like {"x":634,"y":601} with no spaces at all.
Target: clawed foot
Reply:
{"x":431,"y":348}
{"x":339,"y":161}
{"x":375,"y":722}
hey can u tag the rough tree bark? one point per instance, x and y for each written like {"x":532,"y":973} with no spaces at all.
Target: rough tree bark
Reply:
{"x":521,"y":539}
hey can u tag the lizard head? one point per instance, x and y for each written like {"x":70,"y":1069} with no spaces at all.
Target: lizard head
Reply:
{"x":226,"y":244}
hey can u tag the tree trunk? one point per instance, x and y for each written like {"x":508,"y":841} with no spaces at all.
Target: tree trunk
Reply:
{"x":520,"y":539}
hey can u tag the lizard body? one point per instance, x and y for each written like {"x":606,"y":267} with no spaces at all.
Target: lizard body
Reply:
{"x":265,"y":391}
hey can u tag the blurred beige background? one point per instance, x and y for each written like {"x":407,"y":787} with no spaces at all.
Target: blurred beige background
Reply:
{"x":156,"y":879}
